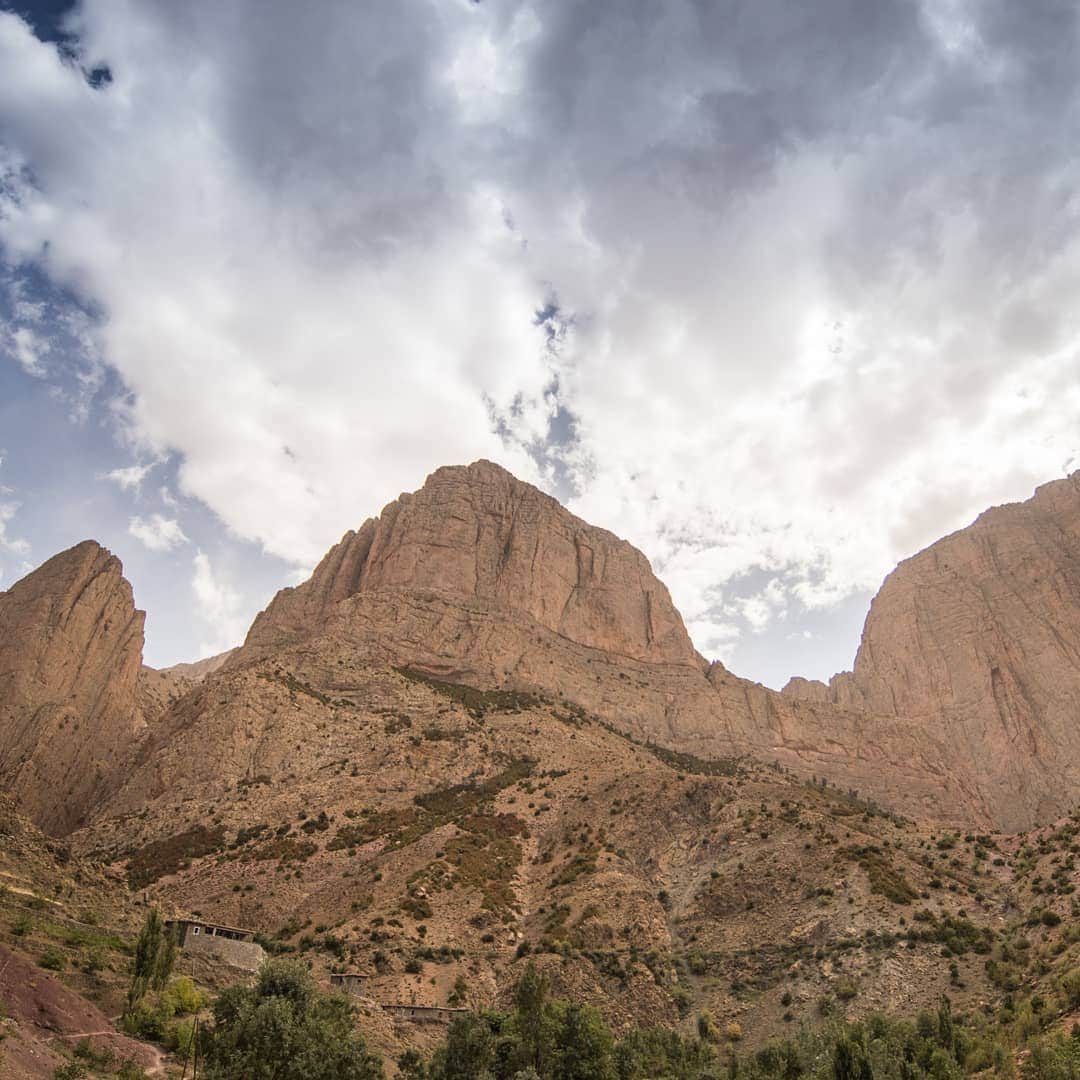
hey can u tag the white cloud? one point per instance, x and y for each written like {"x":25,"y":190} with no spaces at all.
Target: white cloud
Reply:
{"x":816,"y":273}
{"x":30,"y":349}
{"x":11,"y":544}
{"x":220,"y":607}
{"x":157,"y":532}
{"x":130,"y":477}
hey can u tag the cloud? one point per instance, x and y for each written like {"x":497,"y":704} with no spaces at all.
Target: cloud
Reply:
{"x":10,"y":544}
{"x":804,"y":276}
{"x":29,"y":349}
{"x":157,"y":532}
{"x":130,"y":477}
{"x":219,"y":606}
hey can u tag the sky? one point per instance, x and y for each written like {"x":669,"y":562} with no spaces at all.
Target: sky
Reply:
{"x":779,"y":292}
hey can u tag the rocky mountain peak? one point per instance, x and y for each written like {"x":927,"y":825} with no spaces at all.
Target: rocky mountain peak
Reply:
{"x":70,"y":655}
{"x":477,"y":535}
{"x":976,"y":640}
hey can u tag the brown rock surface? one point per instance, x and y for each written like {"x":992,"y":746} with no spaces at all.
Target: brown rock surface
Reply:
{"x":960,"y":706}
{"x":420,"y":832}
{"x":482,"y":579}
{"x":47,"y":1021}
{"x":70,"y":656}
{"x":975,"y":643}
{"x":477,"y":535}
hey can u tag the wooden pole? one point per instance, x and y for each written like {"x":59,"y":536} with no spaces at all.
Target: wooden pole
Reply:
{"x":195,"y":1039}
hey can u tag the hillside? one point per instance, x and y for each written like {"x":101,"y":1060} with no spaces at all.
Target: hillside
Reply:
{"x":479,"y":735}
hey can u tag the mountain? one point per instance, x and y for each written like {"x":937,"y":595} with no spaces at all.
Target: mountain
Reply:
{"x":71,"y":709}
{"x":486,"y":559}
{"x":480,"y":733}
{"x":977,"y":641}
{"x":959,"y":707}
{"x":482,"y":579}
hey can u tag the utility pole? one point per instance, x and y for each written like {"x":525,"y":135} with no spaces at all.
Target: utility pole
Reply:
{"x":195,"y":1065}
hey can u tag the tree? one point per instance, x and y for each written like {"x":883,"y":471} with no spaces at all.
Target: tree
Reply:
{"x":586,"y":1047}
{"x":850,"y":1061}
{"x":282,"y":1028}
{"x":534,"y":1023}
{"x":411,"y":1065}
{"x":155,"y":954}
{"x":468,"y":1053}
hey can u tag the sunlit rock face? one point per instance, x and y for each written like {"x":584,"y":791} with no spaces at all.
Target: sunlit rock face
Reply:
{"x":70,"y":659}
{"x":476,"y":534}
{"x":961,"y":706}
{"x":975,"y":642}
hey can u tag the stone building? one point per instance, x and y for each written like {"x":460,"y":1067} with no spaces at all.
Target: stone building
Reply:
{"x":349,"y":981}
{"x":235,"y":946}
{"x":424,"y":1014}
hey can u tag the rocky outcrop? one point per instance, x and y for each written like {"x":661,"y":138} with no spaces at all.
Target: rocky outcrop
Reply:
{"x":482,"y":579}
{"x":476,"y":537}
{"x":70,"y":657}
{"x":961,"y":705}
{"x":975,"y":642}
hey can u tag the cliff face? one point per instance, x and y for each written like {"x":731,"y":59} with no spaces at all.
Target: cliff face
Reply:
{"x":478,"y":537}
{"x":975,"y":642}
{"x":482,"y":579}
{"x":70,"y":657}
{"x":961,"y":706}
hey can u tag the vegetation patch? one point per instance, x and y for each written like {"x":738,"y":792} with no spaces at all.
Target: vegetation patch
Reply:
{"x":295,"y":685}
{"x":484,"y":856}
{"x":173,"y":853}
{"x":688,"y":763}
{"x":286,"y":849}
{"x":885,"y":879}
{"x":475,"y":702}
{"x":462,"y":804}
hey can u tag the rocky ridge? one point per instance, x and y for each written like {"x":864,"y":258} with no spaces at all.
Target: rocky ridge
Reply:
{"x":71,"y":708}
{"x":976,"y":642}
{"x":959,"y":706}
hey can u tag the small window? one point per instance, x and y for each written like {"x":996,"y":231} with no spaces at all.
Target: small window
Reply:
{"x":195,"y":929}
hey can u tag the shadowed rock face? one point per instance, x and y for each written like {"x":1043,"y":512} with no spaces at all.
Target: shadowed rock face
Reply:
{"x":477,"y":535}
{"x":70,"y":656}
{"x":976,"y":641}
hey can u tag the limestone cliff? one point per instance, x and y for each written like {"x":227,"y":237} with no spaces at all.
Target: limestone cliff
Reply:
{"x":477,"y":537}
{"x":482,"y":579}
{"x":975,"y":642}
{"x":961,"y":705}
{"x":70,"y":657}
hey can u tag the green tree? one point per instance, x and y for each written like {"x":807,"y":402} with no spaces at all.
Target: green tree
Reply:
{"x":411,"y":1065}
{"x":534,"y":1023}
{"x":586,"y":1048}
{"x":850,"y":1061}
{"x":155,"y":954}
{"x":645,"y":1053}
{"x":469,"y":1052}
{"x":282,"y":1028}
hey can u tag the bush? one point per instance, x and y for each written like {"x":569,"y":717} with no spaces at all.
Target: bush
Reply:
{"x":52,"y":960}
{"x":182,"y":997}
{"x":285,"y":1025}
{"x":73,"y":1070}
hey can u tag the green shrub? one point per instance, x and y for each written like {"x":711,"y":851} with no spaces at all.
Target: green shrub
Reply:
{"x":52,"y":960}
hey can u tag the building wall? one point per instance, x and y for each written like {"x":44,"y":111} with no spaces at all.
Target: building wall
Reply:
{"x":424,"y":1014}
{"x":245,"y":955}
